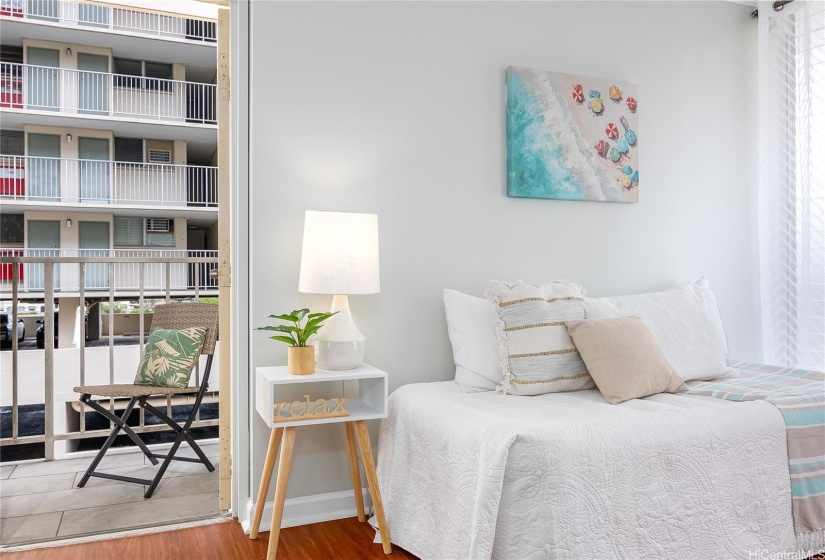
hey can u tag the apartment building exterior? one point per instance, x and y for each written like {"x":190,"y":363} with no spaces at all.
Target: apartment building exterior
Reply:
{"x":108,"y":140}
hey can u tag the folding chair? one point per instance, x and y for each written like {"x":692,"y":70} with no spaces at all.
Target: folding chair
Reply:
{"x":167,"y":316}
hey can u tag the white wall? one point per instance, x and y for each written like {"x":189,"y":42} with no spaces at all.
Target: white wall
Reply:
{"x":398,"y":108}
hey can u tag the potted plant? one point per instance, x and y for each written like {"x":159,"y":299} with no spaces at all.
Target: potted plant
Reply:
{"x":300,"y":356}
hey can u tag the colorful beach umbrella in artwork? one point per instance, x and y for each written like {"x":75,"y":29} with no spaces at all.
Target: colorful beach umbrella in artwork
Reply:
{"x":624,"y":141}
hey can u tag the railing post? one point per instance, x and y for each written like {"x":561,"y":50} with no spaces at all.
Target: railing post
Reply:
{"x":111,"y":335}
{"x":197,"y":281}
{"x":48,"y":334}
{"x":141,"y":281}
{"x":167,"y":268}
{"x":82,"y":289}
{"x":15,"y":278}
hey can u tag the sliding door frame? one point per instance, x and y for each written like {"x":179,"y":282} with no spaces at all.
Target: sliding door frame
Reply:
{"x":240,"y":230}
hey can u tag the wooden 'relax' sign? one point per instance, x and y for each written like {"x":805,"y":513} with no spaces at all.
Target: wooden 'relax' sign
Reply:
{"x":308,"y":409}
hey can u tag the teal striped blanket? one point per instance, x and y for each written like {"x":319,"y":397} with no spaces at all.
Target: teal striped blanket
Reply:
{"x":800,"y":397}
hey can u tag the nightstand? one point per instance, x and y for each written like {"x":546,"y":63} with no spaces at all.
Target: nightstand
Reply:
{"x":360,"y":396}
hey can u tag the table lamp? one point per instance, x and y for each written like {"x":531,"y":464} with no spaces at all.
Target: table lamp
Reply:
{"x":339,"y":257}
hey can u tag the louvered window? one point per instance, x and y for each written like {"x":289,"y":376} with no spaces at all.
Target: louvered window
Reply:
{"x":144,"y":232}
{"x":140,"y":74}
{"x":128,"y":73}
{"x":128,"y":232}
{"x":11,"y":53}
{"x":158,"y":76}
{"x":129,"y":150}
{"x":12,"y":142}
{"x":11,"y":229}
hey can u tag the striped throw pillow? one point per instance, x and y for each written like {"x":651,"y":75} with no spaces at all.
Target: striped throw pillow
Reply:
{"x":537,"y":354}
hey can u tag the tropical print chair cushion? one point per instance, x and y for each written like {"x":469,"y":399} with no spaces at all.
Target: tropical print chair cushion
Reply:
{"x":169,"y":357}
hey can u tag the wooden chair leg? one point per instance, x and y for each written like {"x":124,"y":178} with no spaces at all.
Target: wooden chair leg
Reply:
{"x":266,"y":476}
{"x":372,"y":481}
{"x":354,"y":472}
{"x":287,"y":443}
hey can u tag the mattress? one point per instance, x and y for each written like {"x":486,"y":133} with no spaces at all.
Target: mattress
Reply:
{"x":568,"y":476}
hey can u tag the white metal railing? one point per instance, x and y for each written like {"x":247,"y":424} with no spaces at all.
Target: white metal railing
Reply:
{"x":97,"y":16}
{"x":46,"y":179}
{"x":178,"y":277}
{"x":46,"y":88}
{"x":54,"y":393}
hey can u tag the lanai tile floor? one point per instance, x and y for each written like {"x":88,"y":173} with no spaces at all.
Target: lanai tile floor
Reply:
{"x":40,"y":500}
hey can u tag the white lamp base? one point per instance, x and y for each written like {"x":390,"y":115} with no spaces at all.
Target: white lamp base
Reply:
{"x":340,"y":344}
{"x":336,"y":355}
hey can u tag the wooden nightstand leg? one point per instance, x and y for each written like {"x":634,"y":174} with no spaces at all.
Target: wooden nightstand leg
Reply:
{"x":354,"y":472}
{"x":280,"y":491}
{"x":266,"y":476}
{"x":372,"y":481}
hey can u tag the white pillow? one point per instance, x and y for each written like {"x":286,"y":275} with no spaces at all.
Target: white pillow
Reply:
{"x":472,"y":330}
{"x":678,"y":319}
{"x":702,"y":289}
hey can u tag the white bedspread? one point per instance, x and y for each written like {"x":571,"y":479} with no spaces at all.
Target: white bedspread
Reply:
{"x":566,"y":475}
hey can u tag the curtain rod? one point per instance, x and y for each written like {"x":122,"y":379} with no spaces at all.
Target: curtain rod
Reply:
{"x":778,"y":6}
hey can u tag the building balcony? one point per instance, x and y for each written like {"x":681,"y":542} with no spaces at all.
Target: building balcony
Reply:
{"x":138,"y":31}
{"x":34,"y":182}
{"x":59,"y":96}
{"x":42,"y":418}
{"x":124,"y":272}
{"x":101,"y":17}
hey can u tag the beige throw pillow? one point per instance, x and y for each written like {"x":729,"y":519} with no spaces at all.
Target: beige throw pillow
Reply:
{"x":623,"y":358}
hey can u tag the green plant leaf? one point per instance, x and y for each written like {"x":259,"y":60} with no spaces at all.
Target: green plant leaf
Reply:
{"x":280,"y":328}
{"x":312,"y":330}
{"x":290,"y":341}
{"x":316,"y":322}
{"x":298,"y":336}
{"x":324,"y":315}
{"x":290,"y":317}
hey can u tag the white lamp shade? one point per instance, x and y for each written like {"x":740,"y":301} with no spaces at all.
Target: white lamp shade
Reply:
{"x":340,"y":254}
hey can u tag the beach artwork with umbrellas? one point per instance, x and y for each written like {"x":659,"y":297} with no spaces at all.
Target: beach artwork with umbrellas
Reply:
{"x":571,"y":137}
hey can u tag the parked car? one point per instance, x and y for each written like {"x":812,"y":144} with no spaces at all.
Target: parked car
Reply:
{"x":40,"y":334}
{"x":6,"y":332}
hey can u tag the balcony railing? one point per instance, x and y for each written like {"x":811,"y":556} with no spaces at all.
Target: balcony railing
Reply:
{"x":65,"y":90}
{"x":89,"y":181}
{"x":95,"y":16}
{"x":57,"y":371}
{"x":162,"y":270}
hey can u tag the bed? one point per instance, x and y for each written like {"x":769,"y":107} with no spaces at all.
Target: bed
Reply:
{"x":568,"y":476}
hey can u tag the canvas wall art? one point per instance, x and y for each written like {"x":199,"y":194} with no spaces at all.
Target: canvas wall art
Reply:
{"x":571,"y":137}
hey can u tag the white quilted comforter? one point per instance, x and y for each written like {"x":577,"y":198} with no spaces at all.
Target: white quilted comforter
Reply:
{"x":567,"y":475}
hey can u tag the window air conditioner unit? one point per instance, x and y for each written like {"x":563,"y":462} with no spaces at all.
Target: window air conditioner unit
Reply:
{"x":160,"y":156}
{"x":158,"y":225}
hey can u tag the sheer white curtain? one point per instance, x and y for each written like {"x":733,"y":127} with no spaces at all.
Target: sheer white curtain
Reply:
{"x":792,"y":182}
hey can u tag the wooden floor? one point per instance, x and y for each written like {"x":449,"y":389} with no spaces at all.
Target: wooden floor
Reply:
{"x":343,"y":539}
